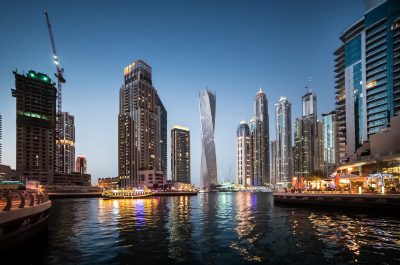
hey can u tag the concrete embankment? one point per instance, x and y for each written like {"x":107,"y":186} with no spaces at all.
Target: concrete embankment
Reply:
{"x":380,"y":202}
{"x":64,"y":195}
{"x":175,"y":193}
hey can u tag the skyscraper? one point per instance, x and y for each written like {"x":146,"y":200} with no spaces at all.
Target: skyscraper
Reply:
{"x":329,"y":142}
{"x":163,"y":137}
{"x":180,"y":154}
{"x":367,"y":76}
{"x":208,"y":173}
{"x":81,"y":164}
{"x":36,"y":116}
{"x":243,"y":154}
{"x":261,"y":174}
{"x":139,"y":129}
{"x":273,"y":162}
{"x":308,"y":157}
{"x":65,"y":154}
{"x":283,"y":115}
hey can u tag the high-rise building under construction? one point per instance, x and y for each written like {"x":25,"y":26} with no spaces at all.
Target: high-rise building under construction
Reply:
{"x":36,"y":116}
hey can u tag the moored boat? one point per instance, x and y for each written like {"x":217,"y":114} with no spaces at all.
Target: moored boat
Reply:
{"x":127,"y":193}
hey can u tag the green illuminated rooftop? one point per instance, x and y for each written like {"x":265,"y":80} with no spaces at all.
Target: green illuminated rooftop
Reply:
{"x":40,"y":76}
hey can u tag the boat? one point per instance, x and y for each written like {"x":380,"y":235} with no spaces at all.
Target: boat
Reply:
{"x":127,"y":194}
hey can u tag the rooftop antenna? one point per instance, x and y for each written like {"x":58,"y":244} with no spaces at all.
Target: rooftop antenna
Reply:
{"x":308,"y":85}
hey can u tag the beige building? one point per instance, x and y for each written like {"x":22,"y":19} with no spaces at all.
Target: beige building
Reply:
{"x":243,"y":155}
{"x":141,"y":143}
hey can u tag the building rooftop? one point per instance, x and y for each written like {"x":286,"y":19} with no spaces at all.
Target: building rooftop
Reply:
{"x":179,"y":127}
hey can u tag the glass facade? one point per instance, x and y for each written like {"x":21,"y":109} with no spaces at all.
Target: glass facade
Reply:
{"x":208,"y":173}
{"x":382,"y":29}
{"x":368,"y":82}
{"x":329,"y":142}
{"x":284,"y":163}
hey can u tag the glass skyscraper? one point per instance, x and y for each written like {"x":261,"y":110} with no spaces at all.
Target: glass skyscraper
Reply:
{"x":261,"y":174}
{"x":284,"y":163}
{"x":208,"y":173}
{"x":307,"y":155}
{"x":367,"y":76}
{"x":65,"y":154}
{"x":329,"y":142}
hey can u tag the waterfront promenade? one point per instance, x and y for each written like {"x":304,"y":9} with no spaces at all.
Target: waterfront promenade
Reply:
{"x":23,"y":214}
{"x":381,"y":202}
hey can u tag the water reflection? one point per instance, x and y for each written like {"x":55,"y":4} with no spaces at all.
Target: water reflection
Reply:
{"x":180,"y":229}
{"x":355,"y":236}
{"x":245,"y":224}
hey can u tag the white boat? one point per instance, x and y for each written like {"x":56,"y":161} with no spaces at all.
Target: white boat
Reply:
{"x":127,"y":194}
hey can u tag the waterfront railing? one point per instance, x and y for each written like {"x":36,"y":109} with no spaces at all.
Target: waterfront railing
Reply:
{"x":17,"y":199}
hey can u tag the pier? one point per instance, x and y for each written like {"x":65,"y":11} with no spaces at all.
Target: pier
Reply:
{"x":379,"y":202}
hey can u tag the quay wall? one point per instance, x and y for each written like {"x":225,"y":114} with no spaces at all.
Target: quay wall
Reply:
{"x":376,"y":202}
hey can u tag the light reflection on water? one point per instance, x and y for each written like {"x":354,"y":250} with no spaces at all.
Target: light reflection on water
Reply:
{"x":224,"y":228}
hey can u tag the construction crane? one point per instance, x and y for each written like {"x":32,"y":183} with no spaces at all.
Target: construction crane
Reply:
{"x":60,"y":70}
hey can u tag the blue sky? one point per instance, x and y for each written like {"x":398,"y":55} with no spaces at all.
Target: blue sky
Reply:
{"x":233,"y":47}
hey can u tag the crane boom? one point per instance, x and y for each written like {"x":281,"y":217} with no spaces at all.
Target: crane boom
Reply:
{"x":60,"y":70}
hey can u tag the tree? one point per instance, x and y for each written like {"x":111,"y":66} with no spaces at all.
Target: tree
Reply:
{"x":315,"y":175}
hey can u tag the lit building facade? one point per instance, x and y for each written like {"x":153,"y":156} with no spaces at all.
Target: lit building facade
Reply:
{"x":65,"y":145}
{"x":180,"y":154}
{"x":307,"y":155}
{"x":329,"y":142}
{"x":35,"y":131}
{"x":139,"y":129}
{"x":81,"y":164}
{"x":109,"y":183}
{"x":367,"y":76}
{"x":284,"y":157}
{"x":208,"y":172}
{"x":260,"y":141}
{"x":273,"y":162}
{"x":243,"y":155}
{"x":163,"y":137}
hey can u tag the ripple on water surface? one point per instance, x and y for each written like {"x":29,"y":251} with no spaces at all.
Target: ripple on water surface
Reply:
{"x":220,"y":228}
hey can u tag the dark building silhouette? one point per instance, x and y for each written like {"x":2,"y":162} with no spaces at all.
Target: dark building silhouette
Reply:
{"x":35,"y":94}
{"x":180,"y":154}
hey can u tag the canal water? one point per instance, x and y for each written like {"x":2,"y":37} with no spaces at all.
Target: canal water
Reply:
{"x":215,"y":228}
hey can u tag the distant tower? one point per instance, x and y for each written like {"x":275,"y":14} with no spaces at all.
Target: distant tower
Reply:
{"x":208,"y":173}
{"x":163,"y":137}
{"x":331,"y":158}
{"x":273,"y":162}
{"x":36,"y":121}
{"x":65,"y":155}
{"x":81,"y":164}
{"x":243,"y":154}
{"x":283,"y":114}
{"x":180,"y":154}
{"x":308,"y":156}
{"x":261,"y":174}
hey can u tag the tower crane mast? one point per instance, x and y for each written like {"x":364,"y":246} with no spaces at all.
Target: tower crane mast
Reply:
{"x":60,"y":70}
